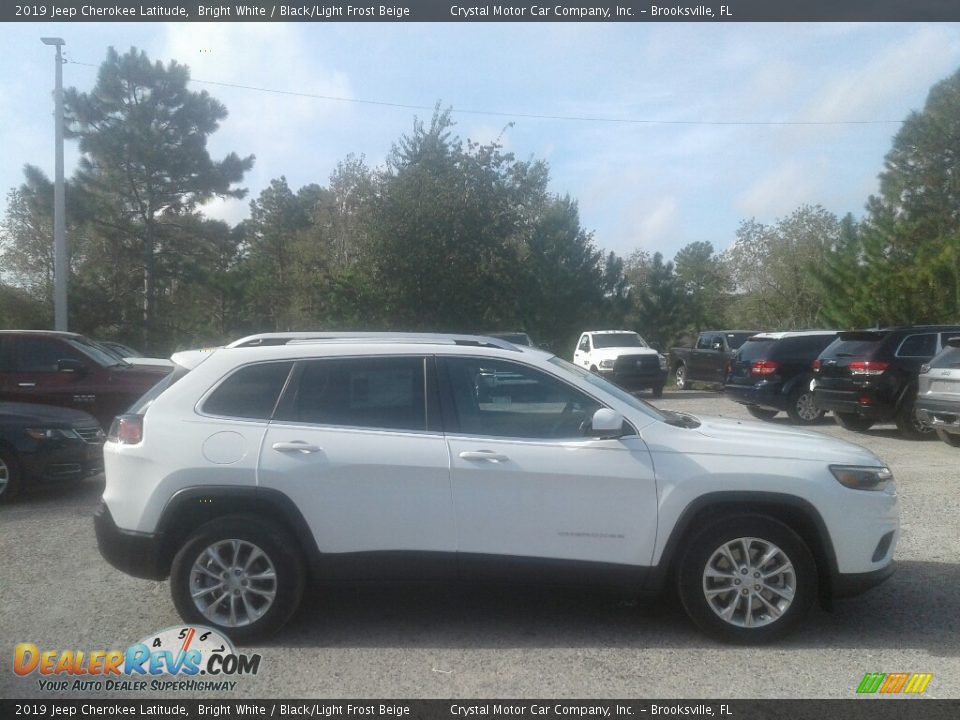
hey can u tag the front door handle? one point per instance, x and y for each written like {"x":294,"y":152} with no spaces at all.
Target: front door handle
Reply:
{"x":26,"y":384}
{"x":296,"y":446}
{"x":483,"y":455}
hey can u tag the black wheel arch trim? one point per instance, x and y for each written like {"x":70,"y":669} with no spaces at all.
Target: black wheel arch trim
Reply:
{"x":192,"y":506}
{"x":746,"y":502}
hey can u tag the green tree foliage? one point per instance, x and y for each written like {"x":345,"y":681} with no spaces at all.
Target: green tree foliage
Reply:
{"x":144,"y":161}
{"x":704,"y":280}
{"x":771,"y":266}
{"x":659,"y":302}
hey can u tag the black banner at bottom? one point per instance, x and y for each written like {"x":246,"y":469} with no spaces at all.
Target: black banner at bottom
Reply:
{"x":873,"y":708}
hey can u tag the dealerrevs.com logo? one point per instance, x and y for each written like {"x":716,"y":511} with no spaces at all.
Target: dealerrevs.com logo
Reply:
{"x":188,"y":658}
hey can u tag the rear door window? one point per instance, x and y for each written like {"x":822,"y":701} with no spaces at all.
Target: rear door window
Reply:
{"x":250,"y":393}
{"x":385,"y":393}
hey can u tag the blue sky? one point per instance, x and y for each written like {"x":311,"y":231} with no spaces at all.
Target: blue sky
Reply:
{"x":645,"y":186}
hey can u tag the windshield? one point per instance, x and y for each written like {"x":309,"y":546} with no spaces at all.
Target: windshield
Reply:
{"x":610,"y":340}
{"x":608,"y":387}
{"x":756,"y":348}
{"x":99,"y":353}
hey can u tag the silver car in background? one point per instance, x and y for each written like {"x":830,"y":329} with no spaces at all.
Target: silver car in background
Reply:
{"x":938,"y":393}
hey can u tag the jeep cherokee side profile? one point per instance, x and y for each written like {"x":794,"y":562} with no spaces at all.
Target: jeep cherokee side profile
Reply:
{"x":336,"y":457}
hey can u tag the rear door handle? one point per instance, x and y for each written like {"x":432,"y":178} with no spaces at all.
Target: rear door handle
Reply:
{"x":26,"y":384}
{"x":296,"y":446}
{"x":483,"y":455}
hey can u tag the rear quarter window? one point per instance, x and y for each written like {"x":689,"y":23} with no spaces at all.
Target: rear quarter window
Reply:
{"x":250,"y":393}
{"x":919,"y":345}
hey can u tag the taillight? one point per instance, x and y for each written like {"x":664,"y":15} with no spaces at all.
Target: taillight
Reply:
{"x":764,"y":367}
{"x":126,"y":429}
{"x":867,"y":367}
{"x":815,"y":365}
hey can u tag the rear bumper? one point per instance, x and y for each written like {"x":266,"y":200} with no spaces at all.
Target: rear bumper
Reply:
{"x":845,"y":401}
{"x":766,"y":395}
{"x":939,"y":414}
{"x":137,"y":554}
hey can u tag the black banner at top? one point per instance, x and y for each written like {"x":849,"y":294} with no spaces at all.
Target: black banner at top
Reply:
{"x":479,"y":11}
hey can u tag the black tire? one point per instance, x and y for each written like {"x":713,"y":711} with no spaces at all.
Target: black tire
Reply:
{"x":761,"y":413}
{"x":760,"y":532}
{"x":852,"y":421}
{"x":657,"y":391}
{"x":908,"y":422}
{"x":680,"y":377}
{"x":951,"y":439}
{"x":280,"y":550}
{"x":801,"y":409}
{"x":10,"y":475}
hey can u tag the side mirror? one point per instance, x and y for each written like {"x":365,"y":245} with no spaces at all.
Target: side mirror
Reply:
{"x":718,"y":346}
{"x":67,"y":365}
{"x":606,"y":423}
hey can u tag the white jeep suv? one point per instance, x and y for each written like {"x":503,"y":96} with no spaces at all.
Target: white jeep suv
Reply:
{"x":287,"y":457}
{"x":624,"y":358}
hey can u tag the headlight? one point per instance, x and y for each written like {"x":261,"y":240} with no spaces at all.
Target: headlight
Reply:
{"x":663,"y":361}
{"x":606,"y":363}
{"x":862,"y":477}
{"x":51,"y":433}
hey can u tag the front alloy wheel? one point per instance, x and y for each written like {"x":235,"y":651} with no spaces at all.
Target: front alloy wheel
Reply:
{"x":747,"y":579}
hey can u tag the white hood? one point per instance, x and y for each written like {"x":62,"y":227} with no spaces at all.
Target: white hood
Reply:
{"x":614,"y":352}
{"x":746,"y":439}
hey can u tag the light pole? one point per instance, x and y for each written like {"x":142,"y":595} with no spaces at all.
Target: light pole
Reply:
{"x":59,"y":222}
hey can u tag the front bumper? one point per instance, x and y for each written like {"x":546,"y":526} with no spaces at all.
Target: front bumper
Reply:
{"x":635,"y":380}
{"x":138,"y":554}
{"x":62,"y":462}
{"x":851,"y":584}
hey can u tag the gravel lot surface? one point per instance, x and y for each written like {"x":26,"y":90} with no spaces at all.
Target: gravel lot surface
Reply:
{"x":57,"y":592}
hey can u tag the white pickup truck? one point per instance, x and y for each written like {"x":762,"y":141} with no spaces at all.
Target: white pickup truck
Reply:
{"x":623,"y":358}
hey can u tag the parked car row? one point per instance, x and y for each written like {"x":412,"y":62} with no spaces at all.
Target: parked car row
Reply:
{"x":907,"y":375}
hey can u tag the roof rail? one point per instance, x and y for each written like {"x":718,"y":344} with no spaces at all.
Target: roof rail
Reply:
{"x":281,"y":338}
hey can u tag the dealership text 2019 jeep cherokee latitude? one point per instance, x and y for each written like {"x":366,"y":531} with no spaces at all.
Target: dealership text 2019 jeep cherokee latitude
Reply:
{"x":286,"y":457}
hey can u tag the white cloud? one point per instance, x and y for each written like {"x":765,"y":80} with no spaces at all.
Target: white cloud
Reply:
{"x":282,"y":130}
{"x":783,"y":189}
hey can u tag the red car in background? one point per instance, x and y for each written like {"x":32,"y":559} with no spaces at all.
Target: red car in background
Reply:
{"x":68,"y":370}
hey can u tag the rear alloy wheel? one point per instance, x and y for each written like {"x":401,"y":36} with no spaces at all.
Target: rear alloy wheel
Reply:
{"x":747,"y":579}
{"x":951,"y":439}
{"x":909,"y":423}
{"x":680,"y":376}
{"x":9,"y":475}
{"x":761,"y":413}
{"x":852,"y":421}
{"x":801,"y":410}
{"x":239,"y":576}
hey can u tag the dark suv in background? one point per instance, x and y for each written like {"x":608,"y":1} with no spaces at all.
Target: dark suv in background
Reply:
{"x":869,"y":376}
{"x":771,"y":372}
{"x":68,"y":370}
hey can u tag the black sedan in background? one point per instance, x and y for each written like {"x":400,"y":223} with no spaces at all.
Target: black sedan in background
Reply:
{"x":46,"y":444}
